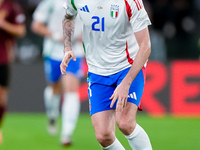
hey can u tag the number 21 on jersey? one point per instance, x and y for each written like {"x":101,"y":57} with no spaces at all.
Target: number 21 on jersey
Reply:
{"x":100,"y":22}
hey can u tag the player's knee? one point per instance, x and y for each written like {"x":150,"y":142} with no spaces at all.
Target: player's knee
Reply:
{"x":103,"y":138}
{"x":126,"y":127}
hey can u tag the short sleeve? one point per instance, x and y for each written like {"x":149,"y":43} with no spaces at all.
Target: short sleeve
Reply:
{"x":43,"y":11}
{"x":138,"y":16}
{"x":71,"y":7}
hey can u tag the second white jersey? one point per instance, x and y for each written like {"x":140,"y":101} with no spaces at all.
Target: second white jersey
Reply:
{"x":51,"y":13}
{"x":108,"y":32}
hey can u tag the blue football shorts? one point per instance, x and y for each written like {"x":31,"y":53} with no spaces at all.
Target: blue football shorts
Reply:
{"x":52,"y":69}
{"x":101,"y":88}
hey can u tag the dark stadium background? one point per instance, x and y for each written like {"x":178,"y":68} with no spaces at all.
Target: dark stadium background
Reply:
{"x":173,"y":74}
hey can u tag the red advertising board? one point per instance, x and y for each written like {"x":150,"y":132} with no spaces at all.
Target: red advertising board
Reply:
{"x":170,"y":88}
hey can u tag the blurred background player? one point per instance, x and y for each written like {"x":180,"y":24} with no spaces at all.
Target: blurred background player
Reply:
{"x":12,"y":25}
{"x":47,"y":22}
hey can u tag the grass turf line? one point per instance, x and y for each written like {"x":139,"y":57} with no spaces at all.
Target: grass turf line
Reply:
{"x":27,"y":131}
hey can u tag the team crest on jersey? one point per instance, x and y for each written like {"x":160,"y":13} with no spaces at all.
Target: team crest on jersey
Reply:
{"x":114,"y":11}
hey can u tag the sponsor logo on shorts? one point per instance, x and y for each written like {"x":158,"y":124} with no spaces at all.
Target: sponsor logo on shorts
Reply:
{"x":133,"y":96}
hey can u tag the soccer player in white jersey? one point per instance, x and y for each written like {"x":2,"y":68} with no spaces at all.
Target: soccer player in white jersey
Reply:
{"x":47,"y":22}
{"x":117,"y":47}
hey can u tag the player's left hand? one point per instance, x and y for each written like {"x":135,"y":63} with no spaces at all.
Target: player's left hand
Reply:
{"x":64,"y":64}
{"x":120,"y":93}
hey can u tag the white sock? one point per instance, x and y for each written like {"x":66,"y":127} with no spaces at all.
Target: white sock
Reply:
{"x":70,"y":113}
{"x":138,"y":139}
{"x":52,"y":103}
{"x":116,"y":145}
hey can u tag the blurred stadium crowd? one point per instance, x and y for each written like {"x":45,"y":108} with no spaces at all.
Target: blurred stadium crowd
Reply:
{"x":175,"y":30}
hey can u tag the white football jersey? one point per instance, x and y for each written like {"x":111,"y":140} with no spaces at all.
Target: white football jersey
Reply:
{"x":108,"y":32}
{"x":51,"y":13}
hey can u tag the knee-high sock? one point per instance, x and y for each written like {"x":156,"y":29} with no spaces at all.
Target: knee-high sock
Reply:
{"x":70,"y":113}
{"x":138,"y":139}
{"x":116,"y":145}
{"x":2,"y":111}
{"x":52,"y":103}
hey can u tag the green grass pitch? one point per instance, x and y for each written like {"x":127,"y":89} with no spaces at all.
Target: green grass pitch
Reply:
{"x":27,"y":131}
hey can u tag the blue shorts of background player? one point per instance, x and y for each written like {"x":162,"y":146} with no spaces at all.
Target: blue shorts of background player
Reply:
{"x":52,"y":69}
{"x":100,"y":89}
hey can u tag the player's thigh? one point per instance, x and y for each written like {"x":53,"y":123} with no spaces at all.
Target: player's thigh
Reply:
{"x":126,"y":119}
{"x":73,"y":75}
{"x":128,"y":113}
{"x":70,"y":82}
{"x":104,"y":122}
{"x":3,"y":95}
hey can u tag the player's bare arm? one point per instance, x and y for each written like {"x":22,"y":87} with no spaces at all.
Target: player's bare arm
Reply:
{"x":121,"y":92}
{"x":14,"y":29}
{"x":40,"y":28}
{"x":68,"y":30}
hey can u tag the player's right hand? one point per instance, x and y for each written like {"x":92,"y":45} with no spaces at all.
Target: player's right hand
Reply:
{"x":64,"y":64}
